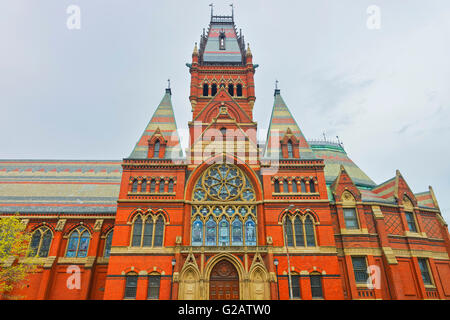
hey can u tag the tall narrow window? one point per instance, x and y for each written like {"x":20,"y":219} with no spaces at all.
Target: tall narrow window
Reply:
{"x":224,"y":232}
{"x":153,"y":186}
{"x":425,"y":271}
{"x":231,"y":89}
{"x":294,"y":186}
{"x":316,"y":286}
{"x":214,"y":89}
{"x":222,"y":41}
{"x":144,"y":185}
{"x":289,"y":238}
{"x":78,"y":243}
{"x":159,"y":232}
{"x":211,"y":232}
{"x":170,"y":190}
{"x":205,"y":90}
{"x":134,"y":186}
{"x":148,"y":232}
{"x":161,"y":186}
{"x":312,"y":187}
{"x":309,"y":230}
{"x":137,"y":232}
{"x":303,"y":186}
{"x":295,"y":279}
{"x":250,"y":232}
{"x":131,"y":286}
{"x":108,"y":244}
{"x":290,"y":149}
{"x":236,"y":232}
{"x":153,"y":286}
{"x":299,"y":236}
{"x":411,"y":223}
{"x":285,"y":186}
{"x":197,"y":232}
{"x":351,"y":220}
{"x":276,"y":185}
{"x":40,"y":242}
{"x":156,"y":149}
{"x":239,"y":90}
{"x":360,"y":269}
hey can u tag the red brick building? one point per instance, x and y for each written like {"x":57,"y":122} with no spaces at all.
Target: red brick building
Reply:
{"x":231,"y":218}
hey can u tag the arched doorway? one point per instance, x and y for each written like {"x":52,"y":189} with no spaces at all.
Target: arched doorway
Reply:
{"x":224,"y":282}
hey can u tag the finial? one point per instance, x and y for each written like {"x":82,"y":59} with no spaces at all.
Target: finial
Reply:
{"x":249,"y":52}
{"x":232,"y":10}
{"x":168,"y":90}
{"x":212,"y":8}
{"x":276,"y":84}
{"x":195,"y":49}
{"x":324,"y":136}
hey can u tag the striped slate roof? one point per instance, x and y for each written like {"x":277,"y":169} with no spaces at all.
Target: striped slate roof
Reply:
{"x":164,"y":120}
{"x":425,"y":199}
{"x":53,"y":186}
{"x":334,"y":156}
{"x":280,"y":121}
{"x":210,"y":51}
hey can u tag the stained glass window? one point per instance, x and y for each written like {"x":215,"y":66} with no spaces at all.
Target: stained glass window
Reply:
{"x":78,"y":243}
{"x":236,"y":232}
{"x":197,"y":232}
{"x":108,"y":243}
{"x":224,"y":232}
{"x":211,"y":232}
{"x":250,"y":232}
{"x":40,"y":243}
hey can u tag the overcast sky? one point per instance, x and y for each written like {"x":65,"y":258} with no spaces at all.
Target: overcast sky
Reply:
{"x":89,"y":93}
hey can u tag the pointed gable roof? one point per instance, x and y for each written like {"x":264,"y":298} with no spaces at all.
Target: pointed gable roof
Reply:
{"x":162,"y":123}
{"x":281,"y":123}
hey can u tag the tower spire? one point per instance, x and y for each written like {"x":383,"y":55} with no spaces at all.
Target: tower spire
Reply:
{"x":168,"y":90}
{"x":212,"y":9}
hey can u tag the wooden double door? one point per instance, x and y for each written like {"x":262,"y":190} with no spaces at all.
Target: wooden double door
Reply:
{"x":224,"y":282}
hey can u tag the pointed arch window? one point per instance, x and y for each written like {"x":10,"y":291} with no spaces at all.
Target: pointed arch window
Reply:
{"x":170,"y":190}
{"x":156,"y":149}
{"x":40,"y":242}
{"x":294,"y":186}
{"x":312,"y":187}
{"x":236,"y":232}
{"x":134,"y":186}
{"x":137,"y":232}
{"x":231,"y":89}
{"x":213,"y":89}
{"x":290,"y":149}
{"x":250,"y":232}
{"x":197,"y":232}
{"x":239,"y":90}
{"x":289,"y":239}
{"x":161,"y":185}
{"x":309,"y":231}
{"x":222,"y":41}
{"x":108,"y":244}
{"x":205,"y":90}
{"x":78,"y":243}
{"x":299,"y":234}
{"x":224,"y":232}
{"x":153,"y":186}
{"x":144,"y":185}
{"x":276,"y":185}
{"x":303,"y":186}
{"x":285,"y":186}
{"x":211,"y":232}
{"x":148,"y":232}
{"x":159,"y":232}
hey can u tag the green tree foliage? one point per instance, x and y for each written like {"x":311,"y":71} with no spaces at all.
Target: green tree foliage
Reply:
{"x":14,"y":241}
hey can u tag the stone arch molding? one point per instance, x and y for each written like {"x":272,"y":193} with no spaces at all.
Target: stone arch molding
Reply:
{"x":191,"y":286}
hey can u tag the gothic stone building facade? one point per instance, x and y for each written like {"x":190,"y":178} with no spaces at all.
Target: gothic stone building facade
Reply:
{"x":231,"y":218}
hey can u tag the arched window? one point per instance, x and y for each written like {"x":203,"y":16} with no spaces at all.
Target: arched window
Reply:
{"x":108,"y":243}
{"x":309,"y":231}
{"x":239,"y":90}
{"x":294,"y":186}
{"x":223,"y":131}
{"x":231,"y":89}
{"x":299,"y":234}
{"x":134,"y":186}
{"x":40,"y":242}
{"x":213,"y":89}
{"x":153,"y":186}
{"x":316,"y":285}
{"x":170,"y":190}
{"x":250,"y":232}
{"x":312,"y":187}
{"x":276,"y":185}
{"x":154,"y":282}
{"x":156,"y":149}
{"x":224,"y":232}
{"x":289,"y":239}
{"x":144,"y":185}
{"x":131,"y":280}
{"x":161,"y":185}
{"x":78,"y":243}
{"x":222,"y":41}
{"x":159,"y":232}
{"x":148,"y":232}
{"x":205,"y":90}
{"x":211,"y":232}
{"x":285,"y":186}
{"x":236,"y":232}
{"x":197,"y":232}
{"x":290,"y":149}
{"x":303,"y":186}
{"x":137,"y":232}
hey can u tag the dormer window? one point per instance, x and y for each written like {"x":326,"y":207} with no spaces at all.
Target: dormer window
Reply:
{"x":156,"y":152}
{"x":222,"y":41}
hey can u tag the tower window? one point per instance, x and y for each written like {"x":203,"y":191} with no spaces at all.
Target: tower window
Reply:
{"x":350,"y":218}
{"x":423,"y":264}
{"x":156,"y":150}
{"x":222,"y":41}
{"x":290,"y":149}
{"x":276,"y":185}
{"x":214,"y":89}
{"x":239,"y":90}
{"x":205,"y":90}
{"x":231,"y":89}
{"x":411,"y":223}
{"x":312,"y":187}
